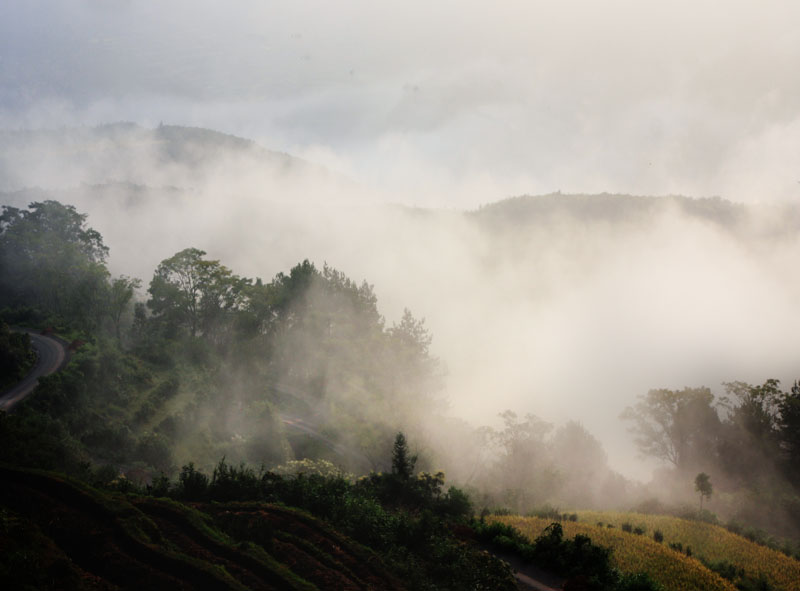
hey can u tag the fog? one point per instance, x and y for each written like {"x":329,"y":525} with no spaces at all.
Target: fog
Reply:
{"x":445,"y":107}
{"x":451,"y":103}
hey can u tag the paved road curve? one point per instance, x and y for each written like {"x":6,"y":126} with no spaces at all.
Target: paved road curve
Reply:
{"x":51,"y":354}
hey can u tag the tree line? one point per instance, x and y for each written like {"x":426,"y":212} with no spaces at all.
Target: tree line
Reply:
{"x":205,"y":353}
{"x":747,"y":441}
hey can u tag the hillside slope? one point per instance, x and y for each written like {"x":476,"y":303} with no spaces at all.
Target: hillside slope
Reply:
{"x":58,"y":534}
{"x":681,"y":561}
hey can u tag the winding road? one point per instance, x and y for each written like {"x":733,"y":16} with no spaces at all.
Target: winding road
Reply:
{"x":51,"y":355}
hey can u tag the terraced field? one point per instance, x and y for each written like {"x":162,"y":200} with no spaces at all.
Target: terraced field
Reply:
{"x":673,"y":569}
{"x":59,"y":534}
{"x":710,"y":542}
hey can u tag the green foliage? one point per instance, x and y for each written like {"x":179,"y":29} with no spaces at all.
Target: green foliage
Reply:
{"x":38,"y":441}
{"x":636,"y":582}
{"x":677,"y":426}
{"x":402,"y":461}
{"x":192,"y":484}
{"x":577,"y":558}
{"x":739,"y":577}
{"x":788,"y":428}
{"x":51,"y":260}
{"x":234,"y":483}
{"x":192,"y":294}
{"x":407,"y":521}
{"x":702,"y":485}
{"x":16,"y":356}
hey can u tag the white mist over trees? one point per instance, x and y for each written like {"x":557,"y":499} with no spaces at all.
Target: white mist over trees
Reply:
{"x":564,"y":306}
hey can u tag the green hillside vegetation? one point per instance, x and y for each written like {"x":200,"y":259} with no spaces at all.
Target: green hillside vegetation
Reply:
{"x":208,"y":388}
{"x":212,"y":362}
{"x":16,"y":356}
{"x":61,"y":534}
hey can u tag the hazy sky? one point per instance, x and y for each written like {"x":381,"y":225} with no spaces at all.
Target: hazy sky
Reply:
{"x":439,"y":102}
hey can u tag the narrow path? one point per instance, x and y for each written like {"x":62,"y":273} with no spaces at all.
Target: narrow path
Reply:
{"x":51,"y":355}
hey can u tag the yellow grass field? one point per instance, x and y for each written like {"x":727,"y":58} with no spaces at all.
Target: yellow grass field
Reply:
{"x":674,"y":570}
{"x":712,"y":542}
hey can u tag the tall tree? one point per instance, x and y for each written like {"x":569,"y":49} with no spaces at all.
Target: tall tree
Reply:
{"x":749,"y":449}
{"x":402,"y":461}
{"x":702,"y":485}
{"x":675,"y":426}
{"x":190,"y":293}
{"x":788,"y":424}
{"x":50,"y":259}
{"x":523,"y":472}
{"x":120,"y":294}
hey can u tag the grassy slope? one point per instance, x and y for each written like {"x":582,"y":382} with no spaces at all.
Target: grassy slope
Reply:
{"x":634,"y":553}
{"x":710,"y":542}
{"x":58,"y":534}
{"x":671,"y":568}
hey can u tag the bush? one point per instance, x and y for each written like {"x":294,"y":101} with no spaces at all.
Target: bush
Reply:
{"x":192,"y":484}
{"x":627,"y":527}
{"x":637,"y":582}
{"x":734,"y":527}
{"x":231,"y":483}
{"x":658,"y":536}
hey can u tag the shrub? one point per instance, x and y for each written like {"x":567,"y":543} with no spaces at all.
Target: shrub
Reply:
{"x":658,"y":536}
{"x":232,"y":483}
{"x":637,"y":582}
{"x":627,"y":527}
{"x":192,"y":484}
{"x":734,"y":527}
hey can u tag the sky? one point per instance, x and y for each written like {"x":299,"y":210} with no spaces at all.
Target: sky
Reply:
{"x":443,"y":103}
{"x":451,"y":105}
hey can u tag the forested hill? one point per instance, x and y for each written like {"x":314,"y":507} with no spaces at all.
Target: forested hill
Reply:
{"x":129,"y":163}
{"x":741,"y":219}
{"x":125,"y":152}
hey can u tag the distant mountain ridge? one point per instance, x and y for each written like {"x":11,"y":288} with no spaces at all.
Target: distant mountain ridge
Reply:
{"x":739,"y":218}
{"x":129,"y":153}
